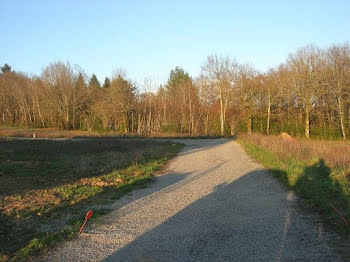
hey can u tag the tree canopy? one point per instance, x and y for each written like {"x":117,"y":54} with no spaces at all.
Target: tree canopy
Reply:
{"x":93,"y":82}
{"x":6,"y":68}
{"x":307,"y":95}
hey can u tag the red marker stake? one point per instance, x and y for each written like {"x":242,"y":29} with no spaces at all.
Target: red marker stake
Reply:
{"x":88,"y":215}
{"x":340,"y":214}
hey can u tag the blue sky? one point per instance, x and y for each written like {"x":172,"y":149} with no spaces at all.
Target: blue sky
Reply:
{"x":149,"y":38}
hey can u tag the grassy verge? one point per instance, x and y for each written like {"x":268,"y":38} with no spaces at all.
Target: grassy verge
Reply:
{"x":46,"y":187}
{"x":56,"y":133}
{"x":320,"y":182}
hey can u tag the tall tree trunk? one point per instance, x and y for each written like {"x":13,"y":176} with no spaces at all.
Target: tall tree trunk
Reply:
{"x":341,"y":117}
{"x":207,"y":122}
{"x":224,"y":113}
{"x":268,"y":116}
{"x":139,"y":123}
{"x":191,"y":124}
{"x":349,"y":116}
{"x":307,"y":121}
{"x":67,"y":119}
{"x":149,"y":121}
{"x":249,"y":124}
{"x":233,"y":127}
{"x":197,"y":123}
{"x":125,"y":123}
{"x":221,"y":115}
{"x":40,"y":115}
{"x":132,"y":122}
{"x":73,"y":117}
{"x":164,"y":110}
{"x":182,"y":118}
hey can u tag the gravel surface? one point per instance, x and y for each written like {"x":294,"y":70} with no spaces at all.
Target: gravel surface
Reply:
{"x":213,"y":204}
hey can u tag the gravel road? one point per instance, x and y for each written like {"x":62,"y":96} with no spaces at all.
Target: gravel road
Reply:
{"x":212,"y":204}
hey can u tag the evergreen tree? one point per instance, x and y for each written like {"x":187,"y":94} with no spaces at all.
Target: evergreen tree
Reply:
{"x":177,"y":76}
{"x":6,"y":68}
{"x":107,"y":83}
{"x":94,"y":82}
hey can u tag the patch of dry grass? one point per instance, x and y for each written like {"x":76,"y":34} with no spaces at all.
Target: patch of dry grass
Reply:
{"x":45,"y":181}
{"x":319,"y":171}
{"x":44,"y":132}
{"x":56,"y":133}
{"x":336,"y":154}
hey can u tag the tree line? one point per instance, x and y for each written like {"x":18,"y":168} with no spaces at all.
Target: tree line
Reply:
{"x":308,"y":94}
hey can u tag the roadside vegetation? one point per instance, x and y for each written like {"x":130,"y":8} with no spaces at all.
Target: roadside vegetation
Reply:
{"x":16,"y":132}
{"x":44,"y":182}
{"x":308,"y":95}
{"x":47,"y":186}
{"x":319,"y":171}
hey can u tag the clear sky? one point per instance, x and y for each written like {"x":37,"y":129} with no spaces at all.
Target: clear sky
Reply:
{"x":149,"y":38}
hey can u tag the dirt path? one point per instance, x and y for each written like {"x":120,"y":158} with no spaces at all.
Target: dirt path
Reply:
{"x":213,"y":204}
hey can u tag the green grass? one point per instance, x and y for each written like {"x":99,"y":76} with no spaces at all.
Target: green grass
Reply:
{"x":45,"y":240}
{"x":9,"y":132}
{"x":44,"y":182}
{"x":42,"y":241}
{"x":316,"y":183}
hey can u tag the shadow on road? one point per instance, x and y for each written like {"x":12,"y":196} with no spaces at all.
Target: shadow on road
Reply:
{"x":250,"y":219}
{"x":15,"y":233}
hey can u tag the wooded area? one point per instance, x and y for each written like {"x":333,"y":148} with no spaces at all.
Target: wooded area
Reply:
{"x":309,"y":94}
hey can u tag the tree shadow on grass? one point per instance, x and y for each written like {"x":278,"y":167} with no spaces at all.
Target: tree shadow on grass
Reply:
{"x":317,"y":186}
{"x":322,"y":193}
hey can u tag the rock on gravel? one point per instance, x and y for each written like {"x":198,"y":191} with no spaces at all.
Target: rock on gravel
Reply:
{"x":213,"y":204}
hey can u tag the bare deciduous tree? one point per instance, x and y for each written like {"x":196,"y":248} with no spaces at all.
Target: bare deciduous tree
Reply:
{"x":306,"y":66}
{"x":220,"y":74}
{"x":338,"y":68}
{"x":311,"y":90}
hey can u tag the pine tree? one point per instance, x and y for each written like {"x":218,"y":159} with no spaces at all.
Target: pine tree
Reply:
{"x":107,"y":83}
{"x":6,"y":68}
{"x":177,"y":76}
{"x":94,"y":82}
